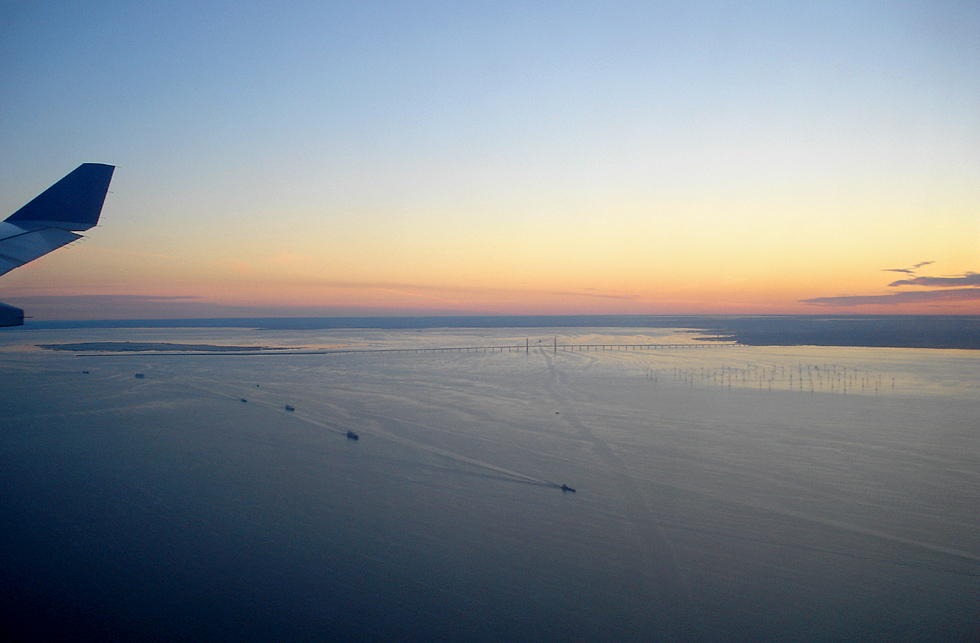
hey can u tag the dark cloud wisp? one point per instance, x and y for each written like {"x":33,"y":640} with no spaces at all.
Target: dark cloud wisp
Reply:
{"x":919,"y":297}
{"x":965,"y":287}
{"x":969,"y":279}
{"x":909,"y":271}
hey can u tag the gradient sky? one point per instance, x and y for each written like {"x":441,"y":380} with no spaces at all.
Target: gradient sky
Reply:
{"x":313,"y":158}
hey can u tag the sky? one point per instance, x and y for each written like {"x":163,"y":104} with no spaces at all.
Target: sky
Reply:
{"x":412,"y":158}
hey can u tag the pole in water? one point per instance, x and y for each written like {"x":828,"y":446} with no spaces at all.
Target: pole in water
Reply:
{"x":556,"y":345}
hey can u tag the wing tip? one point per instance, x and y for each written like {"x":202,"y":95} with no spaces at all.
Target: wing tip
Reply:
{"x":74,"y":203}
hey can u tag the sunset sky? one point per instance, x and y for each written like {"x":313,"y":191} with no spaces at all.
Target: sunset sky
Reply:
{"x":362,"y":158}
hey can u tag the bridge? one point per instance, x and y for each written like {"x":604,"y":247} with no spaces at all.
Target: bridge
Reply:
{"x":523,"y":348}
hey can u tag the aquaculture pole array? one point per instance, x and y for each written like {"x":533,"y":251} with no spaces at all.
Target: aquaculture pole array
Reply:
{"x":831,"y":378}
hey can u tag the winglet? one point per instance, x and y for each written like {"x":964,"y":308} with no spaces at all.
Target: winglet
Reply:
{"x":73,"y":203}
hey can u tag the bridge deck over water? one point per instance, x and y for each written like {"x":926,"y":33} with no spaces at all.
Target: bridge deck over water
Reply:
{"x":525,"y":348}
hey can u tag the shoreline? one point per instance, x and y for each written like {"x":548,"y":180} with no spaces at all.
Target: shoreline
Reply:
{"x":871,"y":331}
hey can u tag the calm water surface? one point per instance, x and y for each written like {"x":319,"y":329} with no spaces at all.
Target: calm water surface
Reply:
{"x":726,"y":494}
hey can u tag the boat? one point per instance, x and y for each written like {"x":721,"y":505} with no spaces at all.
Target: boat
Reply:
{"x":565,"y":487}
{"x":289,"y":408}
{"x":352,"y":435}
{"x":244,"y":400}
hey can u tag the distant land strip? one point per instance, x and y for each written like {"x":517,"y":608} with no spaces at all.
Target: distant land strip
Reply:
{"x":213,"y":349}
{"x":949,"y":332}
{"x":139,"y":347}
{"x":886,"y":331}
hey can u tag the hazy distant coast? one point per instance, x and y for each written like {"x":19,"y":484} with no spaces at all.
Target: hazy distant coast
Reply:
{"x":139,"y":347}
{"x":895,"y":331}
{"x":884,"y":331}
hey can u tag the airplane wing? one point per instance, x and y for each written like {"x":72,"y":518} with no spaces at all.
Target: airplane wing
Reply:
{"x":19,"y":246}
{"x":50,"y":221}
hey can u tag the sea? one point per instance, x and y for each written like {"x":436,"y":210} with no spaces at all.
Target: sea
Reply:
{"x":628,"y":480}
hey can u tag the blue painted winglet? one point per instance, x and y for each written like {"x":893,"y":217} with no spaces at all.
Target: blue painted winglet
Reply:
{"x":73,"y":203}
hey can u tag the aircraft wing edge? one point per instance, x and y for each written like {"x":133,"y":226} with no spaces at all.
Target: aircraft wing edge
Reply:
{"x":11,"y":316}
{"x":17,"y":250}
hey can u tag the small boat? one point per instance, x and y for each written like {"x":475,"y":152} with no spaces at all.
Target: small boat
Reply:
{"x":353,"y":436}
{"x":139,"y":376}
{"x":244,"y":400}
{"x":565,"y":487}
{"x":289,"y":408}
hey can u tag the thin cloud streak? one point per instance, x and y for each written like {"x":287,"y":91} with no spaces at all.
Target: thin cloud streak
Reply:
{"x":373,"y":299}
{"x":440,"y":292}
{"x":125,"y":252}
{"x":43,"y":299}
{"x":909,"y":271}
{"x":895,"y":299}
{"x":968,"y":279}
